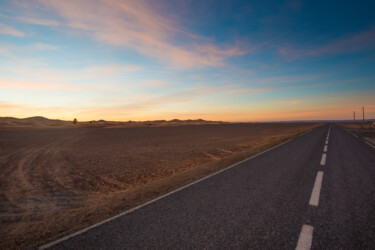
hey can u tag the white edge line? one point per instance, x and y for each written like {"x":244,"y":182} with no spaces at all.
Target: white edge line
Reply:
{"x":358,"y":137}
{"x":314,"y":199}
{"x":45,"y":246}
{"x":305,"y":238}
{"x":370,"y":144}
{"x":351,"y":133}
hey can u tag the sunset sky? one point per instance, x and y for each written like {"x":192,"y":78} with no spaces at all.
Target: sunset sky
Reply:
{"x":215,"y":60}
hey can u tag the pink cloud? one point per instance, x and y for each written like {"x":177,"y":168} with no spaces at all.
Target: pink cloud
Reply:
{"x":139,"y":25}
{"x":289,"y":102}
{"x":46,"y":74}
{"x":156,"y":83}
{"x":38,"y":21}
{"x":108,"y":70}
{"x":5,"y":29}
{"x":7,"y":83}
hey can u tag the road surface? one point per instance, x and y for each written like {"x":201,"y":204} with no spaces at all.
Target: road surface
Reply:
{"x":316,"y":191}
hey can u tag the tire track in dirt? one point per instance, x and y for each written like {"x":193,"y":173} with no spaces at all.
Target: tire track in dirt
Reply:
{"x":23,"y":189}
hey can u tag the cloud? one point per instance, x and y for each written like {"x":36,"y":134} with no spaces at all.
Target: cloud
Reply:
{"x":156,"y":83}
{"x":5,"y":29}
{"x":38,"y":21}
{"x":357,"y":42}
{"x":285,"y":79}
{"x":109,"y":70}
{"x":289,"y":102}
{"x":9,"y":83}
{"x":10,"y":49}
{"x":16,"y":53}
{"x":41,"y":46}
{"x":189,"y":96}
{"x":45,"y":78}
{"x":139,"y":25}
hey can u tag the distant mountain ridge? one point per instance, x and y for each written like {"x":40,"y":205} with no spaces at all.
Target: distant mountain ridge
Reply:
{"x":40,"y":122}
{"x":32,"y":122}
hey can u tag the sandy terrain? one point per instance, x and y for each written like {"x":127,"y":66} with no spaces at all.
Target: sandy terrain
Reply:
{"x":55,"y":180}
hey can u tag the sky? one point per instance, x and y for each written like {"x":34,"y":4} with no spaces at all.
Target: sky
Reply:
{"x":224,"y":60}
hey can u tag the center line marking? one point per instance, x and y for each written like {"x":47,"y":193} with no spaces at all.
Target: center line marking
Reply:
{"x":325,"y":148}
{"x":305,"y":238}
{"x":314,"y":199}
{"x":323,"y":160}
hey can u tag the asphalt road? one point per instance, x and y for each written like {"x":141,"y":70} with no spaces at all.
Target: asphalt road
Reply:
{"x":285,"y":198}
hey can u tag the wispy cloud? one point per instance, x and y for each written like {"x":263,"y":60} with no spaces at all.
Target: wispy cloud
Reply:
{"x":16,"y":53}
{"x":41,"y":46}
{"x":285,"y":79}
{"x":38,"y":21}
{"x":109,"y":70}
{"x":289,"y":102}
{"x":188,"y":96}
{"x":156,"y":83}
{"x":140,"y":25}
{"x":357,"y":42}
{"x":9,"y":83}
{"x":11,"y":49}
{"x":7,"y":30}
{"x":45,"y":78}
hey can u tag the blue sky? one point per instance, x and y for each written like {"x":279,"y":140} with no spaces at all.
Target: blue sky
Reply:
{"x":215,"y":60}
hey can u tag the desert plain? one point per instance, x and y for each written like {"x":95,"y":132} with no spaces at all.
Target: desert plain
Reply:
{"x":54,"y":180}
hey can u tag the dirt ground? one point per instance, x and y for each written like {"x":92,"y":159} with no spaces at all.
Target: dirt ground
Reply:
{"x":56,"y":180}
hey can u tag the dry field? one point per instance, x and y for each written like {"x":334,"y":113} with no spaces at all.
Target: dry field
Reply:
{"x":55,"y":180}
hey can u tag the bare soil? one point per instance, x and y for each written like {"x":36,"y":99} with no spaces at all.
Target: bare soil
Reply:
{"x":56,"y":180}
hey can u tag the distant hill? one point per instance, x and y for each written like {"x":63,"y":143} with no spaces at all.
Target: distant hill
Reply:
{"x":32,"y":122}
{"x":39,"y":122}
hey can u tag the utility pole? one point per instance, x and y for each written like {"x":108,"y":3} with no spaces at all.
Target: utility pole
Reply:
{"x":354,"y":115}
{"x":363,"y":113}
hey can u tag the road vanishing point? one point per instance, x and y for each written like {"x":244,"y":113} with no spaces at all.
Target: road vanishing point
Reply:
{"x":316,"y":191}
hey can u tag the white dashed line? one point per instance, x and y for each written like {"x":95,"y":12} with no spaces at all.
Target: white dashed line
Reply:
{"x":306,"y":235}
{"x":314,"y":199}
{"x":323,"y":160}
{"x":305,"y":238}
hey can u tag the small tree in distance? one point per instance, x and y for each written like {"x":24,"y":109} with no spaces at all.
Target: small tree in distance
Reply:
{"x":75,"y":121}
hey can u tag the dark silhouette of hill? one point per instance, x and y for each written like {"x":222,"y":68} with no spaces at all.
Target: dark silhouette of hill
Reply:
{"x":40,"y":122}
{"x":32,"y":122}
